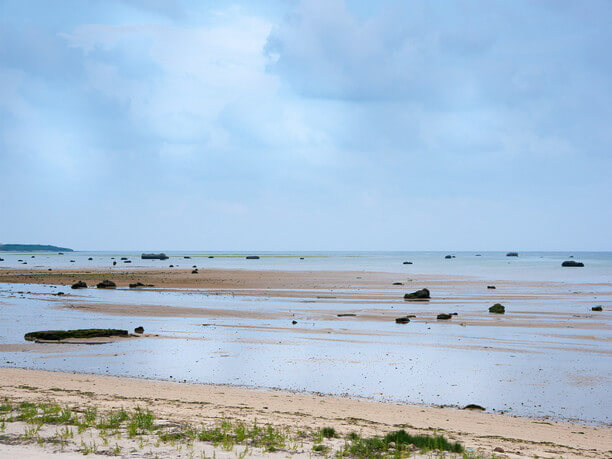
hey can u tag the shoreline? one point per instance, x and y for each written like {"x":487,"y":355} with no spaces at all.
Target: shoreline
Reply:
{"x":480,"y":431}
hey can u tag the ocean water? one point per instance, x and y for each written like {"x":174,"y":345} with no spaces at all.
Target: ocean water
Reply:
{"x":552,"y":370}
{"x":535,"y":266}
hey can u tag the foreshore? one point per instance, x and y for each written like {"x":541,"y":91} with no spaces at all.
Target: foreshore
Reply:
{"x":195,"y":404}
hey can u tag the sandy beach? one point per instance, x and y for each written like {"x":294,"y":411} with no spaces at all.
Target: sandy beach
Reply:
{"x":263,"y":311}
{"x":206,"y":404}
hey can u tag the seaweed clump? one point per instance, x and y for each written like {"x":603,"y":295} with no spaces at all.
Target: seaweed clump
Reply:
{"x":497,"y":309}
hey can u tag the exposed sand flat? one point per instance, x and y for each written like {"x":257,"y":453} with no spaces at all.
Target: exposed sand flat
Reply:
{"x":199,"y":403}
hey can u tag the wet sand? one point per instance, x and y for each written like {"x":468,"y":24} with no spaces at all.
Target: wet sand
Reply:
{"x":199,"y":403}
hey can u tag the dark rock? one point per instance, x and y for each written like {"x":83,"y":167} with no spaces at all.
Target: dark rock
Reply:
{"x":597,"y":308}
{"x":106,"y":284}
{"x":210,"y":256}
{"x":90,"y":258}
{"x":114,"y":263}
{"x":422,"y":294}
{"x":512,"y":254}
{"x":187,"y":257}
{"x":407,"y":263}
{"x":123,"y":258}
{"x":71,"y":261}
{"x":491,"y":286}
{"x":56,"y":335}
{"x":448,"y":257}
{"x":194,"y":266}
{"x":497,"y":309}
{"x":252,"y":257}
{"x":478,"y":255}
{"x":195,"y":271}
{"x":499,"y":449}
{"x":171,"y":266}
{"x":402,"y":320}
{"x":79,"y":284}
{"x":1,"y":259}
{"x":139,"y":330}
{"x":572,"y":264}
{"x":301,"y":258}
{"x":443,"y":316}
{"x":127,"y":261}
{"x":346,"y":315}
{"x":473,"y":406}
{"x":398,"y":283}
{"x":294,"y":322}
{"x":137,"y":285}
{"x":60,"y":293}
{"x":154,"y":256}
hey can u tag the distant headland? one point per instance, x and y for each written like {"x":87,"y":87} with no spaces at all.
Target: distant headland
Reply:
{"x":32,"y":248}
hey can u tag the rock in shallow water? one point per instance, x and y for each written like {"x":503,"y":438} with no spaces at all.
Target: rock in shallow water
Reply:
{"x":422,"y":294}
{"x":79,"y":284}
{"x":572,"y":264}
{"x":497,"y":309}
{"x":106,"y":284}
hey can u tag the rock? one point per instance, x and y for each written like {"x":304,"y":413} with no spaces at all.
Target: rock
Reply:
{"x":301,"y":258}
{"x":79,"y":284}
{"x":171,"y":266}
{"x":443,"y":316}
{"x":90,"y":258}
{"x":422,"y":294}
{"x":499,"y":449}
{"x":398,"y":283}
{"x":137,"y":285}
{"x":402,"y":320}
{"x":127,"y":261}
{"x":139,"y":330}
{"x":448,"y":257}
{"x":210,"y":256}
{"x":597,"y":308}
{"x":346,"y":315}
{"x":491,"y":286}
{"x":194,"y":266}
{"x":60,"y":293}
{"x":154,"y":256}
{"x":473,"y":406}
{"x":478,"y":255}
{"x":71,"y":261}
{"x":572,"y":264}
{"x":1,"y":259}
{"x":512,"y":254}
{"x":106,"y":284}
{"x":57,"y":335}
{"x":294,"y":322}
{"x":195,"y":271}
{"x":114,"y":263}
{"x":252,"y":257}
{"x":407,"y":263}
{"x":497,"y":309}
{"x":123,"y":258}
{"x":187,"y":257}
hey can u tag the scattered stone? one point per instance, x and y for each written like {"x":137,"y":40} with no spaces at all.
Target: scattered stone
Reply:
{"x":448,"y":257}
{"x":154,"y":256}
{"x":210,"y":256}
{"x":497,"y":309}
{"x":106,"y":284}
{"x":491,"y":287}
{"x":346,"y":315}
{"x":512,"y":254}
{"x":71,"y":261}
{"x":422,"y":294}
{"x":402,"y":320}
{"x":301,"y":258}
{"x":60,"y":293}
{"x":294,"y":322}
{"x":252,"y":257}
{"x":90,"y":258}
{"x":443,"y":316}
{"x":572,"y":264}
{"x":597,"y":308}
{"x":139,"y":330}
{"x":407,"y":263}
{"x":79,"y":284}
{"x":473,"y":406}
{"x":171,"y":266}
{"x":137,"y":285}
{"x":195,"y":271}
{"x":127,"y":261}
{"x":499,"y":449}
{"x":398,"y":283}
{"x":123,"y":258}
{"x":114,"y":263}
{"x":187,"y":257}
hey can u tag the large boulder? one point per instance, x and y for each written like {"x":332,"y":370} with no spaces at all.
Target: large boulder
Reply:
{"x":597,"y":308}
{"x":572,"y":264}
{"x":79,"y":284}
{"x":139,"y":330}
{"x":106,"y":284}
{"x":497,"y":309}
{"x":422,"y":294}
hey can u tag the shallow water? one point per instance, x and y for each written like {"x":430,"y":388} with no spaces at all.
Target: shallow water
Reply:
{"x":563,"y":373}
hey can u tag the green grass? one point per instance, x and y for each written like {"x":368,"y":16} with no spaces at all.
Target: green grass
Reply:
{"x":328,"y":432}
{"x":398,"y":441}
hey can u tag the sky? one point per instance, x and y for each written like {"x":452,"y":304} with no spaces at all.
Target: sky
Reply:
{"x":306,"y":125}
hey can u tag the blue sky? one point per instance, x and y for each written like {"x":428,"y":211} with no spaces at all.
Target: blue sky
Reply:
{"x":306,"y":125}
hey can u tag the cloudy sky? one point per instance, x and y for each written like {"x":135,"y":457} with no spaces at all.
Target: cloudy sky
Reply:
{"x":306,"y":125}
